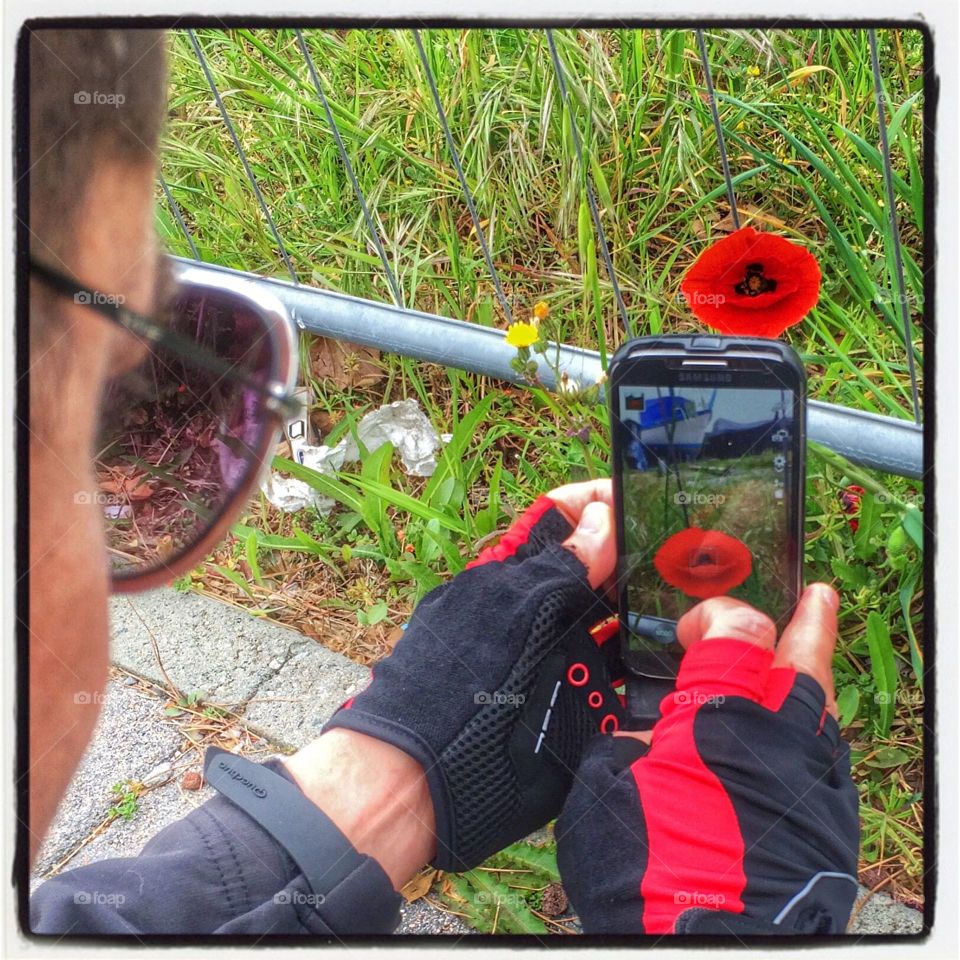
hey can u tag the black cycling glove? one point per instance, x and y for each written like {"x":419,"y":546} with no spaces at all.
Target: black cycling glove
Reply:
{"x":740,"y":818}
{"x":495,"y":687}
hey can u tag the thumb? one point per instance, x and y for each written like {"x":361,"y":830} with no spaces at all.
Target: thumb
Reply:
{"x":808,"y":640}
{"x":728,"y":618}
{"x":593,"y":542}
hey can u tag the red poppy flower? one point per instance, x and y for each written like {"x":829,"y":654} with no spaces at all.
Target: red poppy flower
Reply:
{"x":752,"y":283}
{"x":703,"y":563}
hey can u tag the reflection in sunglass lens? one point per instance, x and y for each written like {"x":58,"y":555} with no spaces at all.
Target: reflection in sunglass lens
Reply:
{"x":177,"y":441}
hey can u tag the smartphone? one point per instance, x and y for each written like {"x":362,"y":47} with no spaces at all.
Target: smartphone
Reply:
{"x":708,"y":443}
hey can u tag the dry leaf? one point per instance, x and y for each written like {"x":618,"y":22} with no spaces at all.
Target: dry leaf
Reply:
{"x":323,"y":422}
{"x":554,"y":901}
{"x":725,"y":224}
{"x":420,"y":885}
{"x":393,"y":637}
{"x":132,"y":488}
{"x":348,"y":365}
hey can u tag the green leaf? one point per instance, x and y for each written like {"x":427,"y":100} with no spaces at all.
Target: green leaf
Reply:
{"x":884,"y":669}
{"x":852,"y":576}
{"x":487,"y":518}
{"x":452,"y":555}
{"x":376,"y":467}
{"x":404,"y":501}
{"x":916,"y":654}
{"x":913,"y":523}
{"x":512,"y":912}
{"x":233,"y":577}
{"x":584,"y":231}
{"x":330,"y":486}
{"x":601,"y":185}
{"x":865,"y":543}
{"x":676,"y":45}
{"x":848,"y":702}
{"x":887,"y":757}
{"x":425,"y":578}
{"x":252,"y":559}
{"x":903,"y":111}
{"x":529,"y":856}
{"x":375,"y":613}
{"x":451,"y":459}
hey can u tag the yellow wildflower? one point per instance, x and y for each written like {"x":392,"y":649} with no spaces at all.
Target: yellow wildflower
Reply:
{"x":753,"y":70}
{"x":522,"y":334}
{"x":541,"y":309}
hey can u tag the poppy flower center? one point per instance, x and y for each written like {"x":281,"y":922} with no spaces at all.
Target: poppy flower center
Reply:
{"x":754,"y":282}
{"x":702,"y":558}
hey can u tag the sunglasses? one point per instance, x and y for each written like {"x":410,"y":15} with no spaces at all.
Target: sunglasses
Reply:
{"x":185,"y":437}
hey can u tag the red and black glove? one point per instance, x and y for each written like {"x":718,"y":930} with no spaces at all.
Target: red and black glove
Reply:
{"x":739,"y":818}
{"x":495,"y":687}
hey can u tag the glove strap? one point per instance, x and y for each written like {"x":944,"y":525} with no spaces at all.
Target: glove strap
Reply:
{"x":315,"y":843}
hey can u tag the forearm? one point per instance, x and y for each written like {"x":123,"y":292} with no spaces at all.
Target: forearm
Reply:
{"x":375,"y":793}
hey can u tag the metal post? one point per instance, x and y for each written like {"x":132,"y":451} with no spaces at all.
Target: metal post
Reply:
{"x":882,"y":443}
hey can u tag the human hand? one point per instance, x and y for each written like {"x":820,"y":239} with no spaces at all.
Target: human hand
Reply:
{"x":477,"y":689}
{"x":737,"y":814}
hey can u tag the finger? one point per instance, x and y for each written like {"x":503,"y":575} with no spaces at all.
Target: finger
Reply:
{"x":593,"y":542}
{"x":644,"y":735}
{"x":572,"y":498}
{"x":724,"y":617}
{"x":808,"y":640}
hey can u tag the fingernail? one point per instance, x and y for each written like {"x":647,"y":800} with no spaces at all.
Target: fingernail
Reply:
{"x":591,"y":520}
{"x":828,"y":596}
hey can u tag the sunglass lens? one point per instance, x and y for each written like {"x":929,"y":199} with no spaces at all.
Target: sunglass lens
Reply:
{"x":178,"y":441}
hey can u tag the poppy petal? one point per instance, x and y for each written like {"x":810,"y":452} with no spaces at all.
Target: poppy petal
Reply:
{"x":787,"y":279}
{"x":703,"y":563}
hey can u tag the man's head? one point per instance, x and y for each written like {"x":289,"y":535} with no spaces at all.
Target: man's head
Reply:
{"x":97,"y":99}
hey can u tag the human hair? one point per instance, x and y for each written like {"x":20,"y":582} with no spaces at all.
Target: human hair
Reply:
{"x":94,"y":95}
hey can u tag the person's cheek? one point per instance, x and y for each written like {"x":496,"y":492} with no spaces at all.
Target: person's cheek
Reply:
{"x":68,"y":648}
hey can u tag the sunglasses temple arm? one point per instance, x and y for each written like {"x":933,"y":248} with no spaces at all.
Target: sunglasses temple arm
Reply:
{"x":154,"y":334}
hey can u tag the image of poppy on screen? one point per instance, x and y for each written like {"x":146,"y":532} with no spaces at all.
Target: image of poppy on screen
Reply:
{"x":704,"y":476}
{"x":703,"y":563}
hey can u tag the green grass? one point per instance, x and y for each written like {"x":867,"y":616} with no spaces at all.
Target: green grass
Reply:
{"x":802,"y":146}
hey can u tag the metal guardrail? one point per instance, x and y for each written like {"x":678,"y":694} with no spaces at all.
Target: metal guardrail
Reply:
{"x":868,"y":439}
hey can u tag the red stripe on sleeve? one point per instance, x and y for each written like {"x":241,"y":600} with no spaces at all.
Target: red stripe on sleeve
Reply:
{"x":675,"y":786}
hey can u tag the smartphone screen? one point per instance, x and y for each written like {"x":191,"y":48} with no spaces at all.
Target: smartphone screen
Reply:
{"x":708,"y":479}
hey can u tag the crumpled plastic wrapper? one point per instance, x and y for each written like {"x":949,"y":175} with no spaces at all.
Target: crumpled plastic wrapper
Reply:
{"x":401,"y":423}
{"x":407,"y":427}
